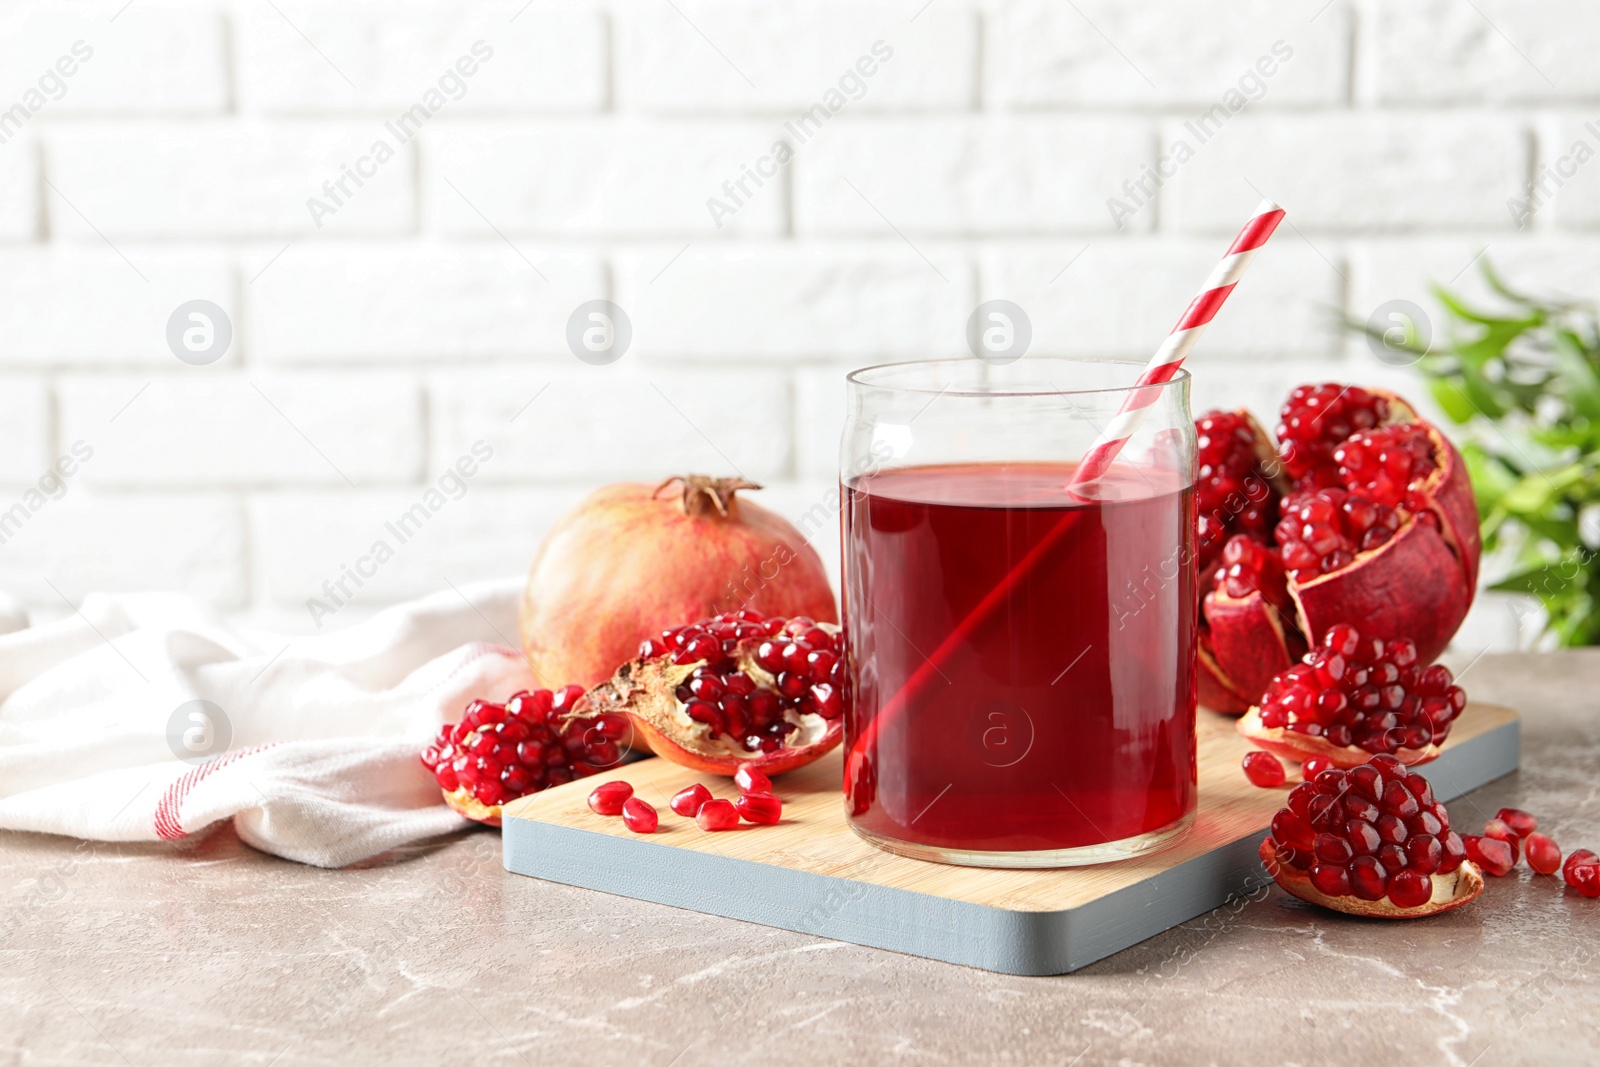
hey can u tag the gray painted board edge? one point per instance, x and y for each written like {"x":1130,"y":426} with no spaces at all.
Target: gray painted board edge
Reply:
{"x":955,"y":931}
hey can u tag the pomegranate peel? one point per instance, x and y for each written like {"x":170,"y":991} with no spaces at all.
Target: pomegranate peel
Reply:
{"x":1460,"y":886}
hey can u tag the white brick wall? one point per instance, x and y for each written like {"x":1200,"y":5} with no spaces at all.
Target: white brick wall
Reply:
{"x":956,"y":151}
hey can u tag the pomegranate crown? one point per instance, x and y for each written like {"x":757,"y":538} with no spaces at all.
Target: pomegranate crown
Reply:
{"x":701,"y":493}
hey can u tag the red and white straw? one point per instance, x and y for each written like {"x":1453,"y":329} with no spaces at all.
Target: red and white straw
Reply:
{"x":1169,"y":357}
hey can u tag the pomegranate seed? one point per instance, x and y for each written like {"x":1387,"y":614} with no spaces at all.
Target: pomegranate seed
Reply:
{"x":1368,"y":879}
{"x":717,"y":815}
{"x":639,"y":816}
{"x":1544,"y":855}
{"x":750,"y":780}
{"x":1410,"y":889}
{"x":687,"y":802}
{"x":607,"y":798}
{"x":1491,"y":854}
{"x":1498,"y":830}
{"x":1331,"y":879}
{"x":763,"y":808}
{"x":1582,"y":872}
{"x":1316,"y":764}
{"x":1521,"y":823}
{"x":1263,"y":769}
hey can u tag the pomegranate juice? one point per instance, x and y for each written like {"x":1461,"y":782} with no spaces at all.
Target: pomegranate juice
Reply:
{"x":1065,"y":718}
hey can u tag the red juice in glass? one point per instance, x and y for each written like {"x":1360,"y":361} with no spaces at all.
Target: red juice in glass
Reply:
{"x":1061,"y":727}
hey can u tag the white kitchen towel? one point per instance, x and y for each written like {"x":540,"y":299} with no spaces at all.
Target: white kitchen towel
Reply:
{"x":309,"y":744}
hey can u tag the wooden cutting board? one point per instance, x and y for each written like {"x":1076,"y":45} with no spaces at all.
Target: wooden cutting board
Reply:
{"x":811,"y":873}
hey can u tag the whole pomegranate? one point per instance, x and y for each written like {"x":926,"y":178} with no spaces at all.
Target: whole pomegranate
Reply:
{"x":738,"y":694}
{"x":633,"y":560}
{"x":1361,"y":512}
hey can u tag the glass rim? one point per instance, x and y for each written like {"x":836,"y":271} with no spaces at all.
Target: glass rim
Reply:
{"x":857,"y":377}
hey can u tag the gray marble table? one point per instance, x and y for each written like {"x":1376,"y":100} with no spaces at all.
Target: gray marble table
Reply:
{"x":212,"y":953}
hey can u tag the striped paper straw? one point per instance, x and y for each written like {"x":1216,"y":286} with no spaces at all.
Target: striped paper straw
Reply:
{"x":1169,"y":357}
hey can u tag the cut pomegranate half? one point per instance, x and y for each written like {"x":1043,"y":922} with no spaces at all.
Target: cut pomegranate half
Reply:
{"x":1370,"y":841}
{"x":1355,"y":697}
{"x":737,"y":691}
{"x":1377,"y":524}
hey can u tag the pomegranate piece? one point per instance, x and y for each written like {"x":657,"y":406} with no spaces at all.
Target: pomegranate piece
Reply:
{"x":1581,"y":871}
{"x":1373,"y":841}
{"x":762,"y":808}
{"x":1263,"y":769}
{"x":687,"y":802}
{"x":1353,"y":697}
{"x":1543,"y":854}
{"x":1497,"y":829}
{"x":537,"y":739}
{"x":608,"y":798}
{"x":634,"y":558}
{"x":1491,"y":854}
{"x":750,"y":780}
{"x":1369,"y":518}
{"x":640,"y":816}
{"x":717,"y":815}
{"x":1521,"y":823}
{"x":736,"y":692}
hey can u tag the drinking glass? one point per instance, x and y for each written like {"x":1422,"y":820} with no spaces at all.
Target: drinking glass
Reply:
{"x":1021,"y":649}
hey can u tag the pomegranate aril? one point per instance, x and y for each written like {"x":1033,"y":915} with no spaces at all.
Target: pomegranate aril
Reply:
{"x":1491,"y":855}
{"x":639,"y":816}
{"x":687,"y":802}
{"x":1289,"y":829}
{"x":1543,"y":854}
{"x":750,"y":780}
{"x":1332,"y":849}
{"x":607,"y":798}
{"x":1410,"y":889}
{"x":1520,"y":822}
{"x":1263,"y":769}
{"x":1424,"y":853}
{"x":1498,"y":830}
{"x":516,"y":779}
{"x":762,"y":808}
{"x":1368,"y":879}
{"x":1578,"y":858}
{"x":1315,"y":765}
{"x":1331,"y":879}
{"x":717,"y":815}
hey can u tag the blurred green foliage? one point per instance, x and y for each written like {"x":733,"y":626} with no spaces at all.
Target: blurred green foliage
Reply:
{"x":1524,"y":380}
